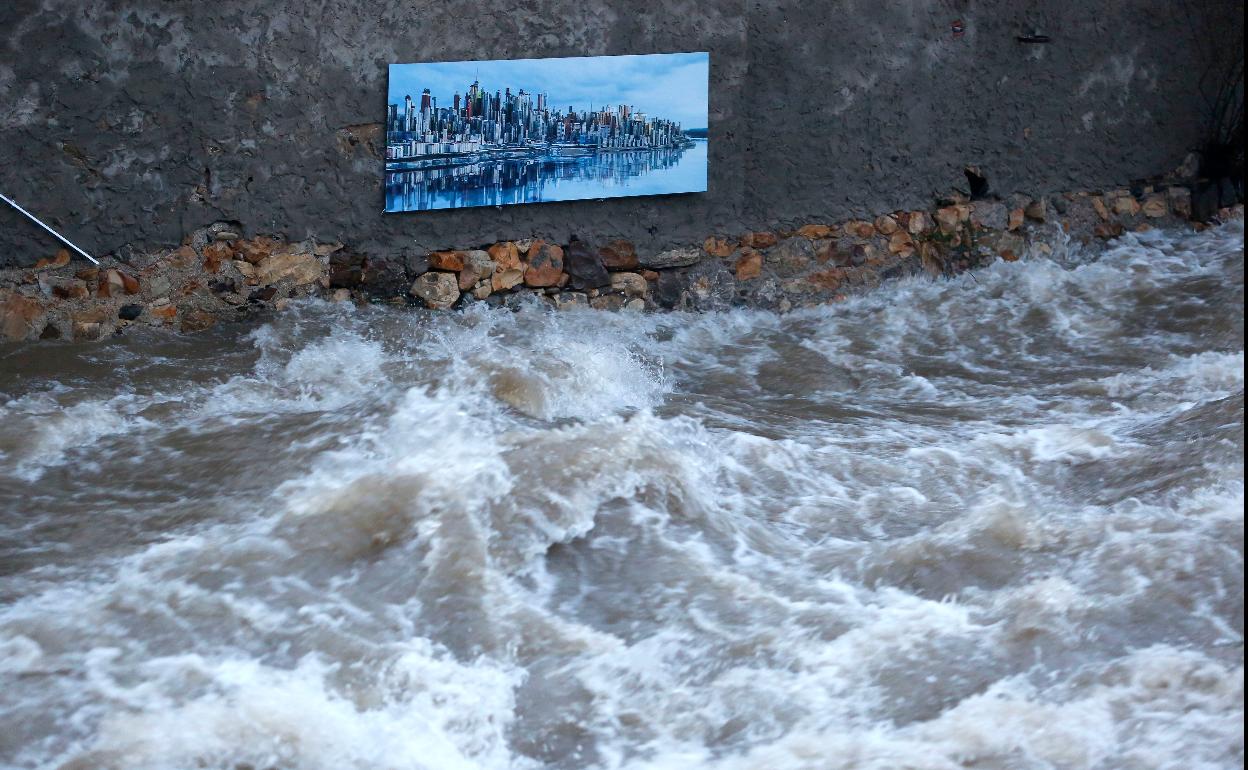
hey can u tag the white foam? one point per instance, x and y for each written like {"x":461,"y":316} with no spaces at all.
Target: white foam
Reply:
{"x":878,"y":534}
{"x":1205,"y":376}
{"x":423,"y":711}
{"x":48,"y":431}
{"x":19,"y":654}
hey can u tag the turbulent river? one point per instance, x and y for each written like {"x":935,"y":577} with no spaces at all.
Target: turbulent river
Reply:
{"x":987,"y":522}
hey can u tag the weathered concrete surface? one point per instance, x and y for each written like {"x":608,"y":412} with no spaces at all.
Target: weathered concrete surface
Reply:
{"x":886,"y":107}
{"x":131,"y":123}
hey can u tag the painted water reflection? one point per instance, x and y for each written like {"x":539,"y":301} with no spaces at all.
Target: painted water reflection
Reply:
{"x":507,"y":181}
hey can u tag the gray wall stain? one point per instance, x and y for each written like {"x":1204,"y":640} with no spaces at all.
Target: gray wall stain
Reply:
{"x":129,"y":123}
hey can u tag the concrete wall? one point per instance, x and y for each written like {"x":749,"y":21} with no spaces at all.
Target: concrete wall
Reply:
{"x":129,"y":123}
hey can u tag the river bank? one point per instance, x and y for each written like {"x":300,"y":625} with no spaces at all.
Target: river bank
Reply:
{"x":218,"y":274}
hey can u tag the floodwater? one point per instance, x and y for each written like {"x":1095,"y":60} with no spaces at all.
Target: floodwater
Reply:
{"x":530,"y":180}
{"x":988,"y":522}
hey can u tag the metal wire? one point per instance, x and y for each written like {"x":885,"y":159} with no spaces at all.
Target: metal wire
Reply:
{"x":37,"y":221}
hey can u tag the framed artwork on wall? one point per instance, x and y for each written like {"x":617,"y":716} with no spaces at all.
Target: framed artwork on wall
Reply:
{"x":503,"y":132}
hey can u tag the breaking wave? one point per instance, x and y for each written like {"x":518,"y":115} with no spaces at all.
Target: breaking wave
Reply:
{"x":990,"y":522}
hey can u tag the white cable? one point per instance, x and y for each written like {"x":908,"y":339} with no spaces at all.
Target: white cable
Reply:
{"x":36,"y":220}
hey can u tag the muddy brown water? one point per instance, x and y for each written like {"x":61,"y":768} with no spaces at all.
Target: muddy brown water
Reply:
{"x":991,"y":522}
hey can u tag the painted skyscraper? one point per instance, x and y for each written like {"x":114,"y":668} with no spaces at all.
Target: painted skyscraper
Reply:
{"x":500,"y":142}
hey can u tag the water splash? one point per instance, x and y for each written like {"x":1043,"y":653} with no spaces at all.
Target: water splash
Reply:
{"x":990,"y":522}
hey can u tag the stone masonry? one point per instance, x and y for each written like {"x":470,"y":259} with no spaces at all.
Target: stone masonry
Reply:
{"x":219,"y":276}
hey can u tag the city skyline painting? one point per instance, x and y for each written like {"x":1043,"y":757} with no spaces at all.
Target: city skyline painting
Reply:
{"x":503,"y":132}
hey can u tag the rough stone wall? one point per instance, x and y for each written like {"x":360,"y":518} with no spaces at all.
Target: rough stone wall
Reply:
{"x":131,"y":124}
{"x":220,"y":275}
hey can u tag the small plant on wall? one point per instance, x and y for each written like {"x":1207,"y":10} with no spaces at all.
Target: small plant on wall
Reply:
{"x":1217,"y":30}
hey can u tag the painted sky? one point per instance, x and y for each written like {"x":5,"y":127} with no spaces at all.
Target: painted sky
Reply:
{"x":670,"y":85}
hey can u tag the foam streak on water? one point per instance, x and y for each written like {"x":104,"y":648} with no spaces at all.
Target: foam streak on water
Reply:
{"x":992,"y":522}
